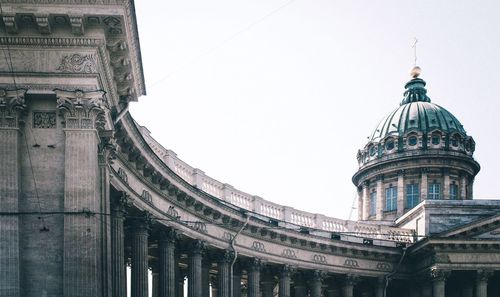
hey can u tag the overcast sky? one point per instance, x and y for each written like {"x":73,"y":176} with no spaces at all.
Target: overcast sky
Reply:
{"x":275,"y":97}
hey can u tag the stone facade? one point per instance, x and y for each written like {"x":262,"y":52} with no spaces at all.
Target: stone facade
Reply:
{"x":85,"y":191}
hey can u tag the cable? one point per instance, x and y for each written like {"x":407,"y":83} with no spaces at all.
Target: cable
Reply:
{"x":233,"y":36}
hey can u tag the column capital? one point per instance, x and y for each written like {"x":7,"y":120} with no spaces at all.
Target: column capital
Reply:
{"x":351,"y":279}
{"x":318,"y":275}
{"x":142,"y":222}
{"x":168,"y":235}
{"x":225,"y":257}
{"x":120,"y":204}
{"x":287,"y":270}
{"x":438,"y":274}
{"x":401,"y":172}
{"x":484,"y":275}
{"x":81,"y":110}
{"x":12,"y":107}
{"x":254,"y":264}
{"x":197,"y":247}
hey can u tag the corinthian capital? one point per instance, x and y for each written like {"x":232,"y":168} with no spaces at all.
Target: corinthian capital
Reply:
{"x":11,"y":107}
{"x":81,"y":110}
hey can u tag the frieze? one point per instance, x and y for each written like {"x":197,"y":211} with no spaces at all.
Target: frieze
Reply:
{"x":351,"y":263}
{"x":289,"y":253}
{"x":319,"y":259}
{"x":227,"y":236}
{"x":201,"y":227}
{"x":258,"y":246}
{"x":173,"y":212}
{"x":77,"y":63}
{"x":44,"y":120}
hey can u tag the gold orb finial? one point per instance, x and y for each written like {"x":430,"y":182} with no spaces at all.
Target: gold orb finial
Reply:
{"x":415,"y":72}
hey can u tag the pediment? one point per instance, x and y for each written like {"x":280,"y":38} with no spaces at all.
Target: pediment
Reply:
{"x":486,"y":228}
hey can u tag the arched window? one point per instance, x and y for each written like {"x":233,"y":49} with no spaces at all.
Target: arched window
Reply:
{"x":436,"y":138}
{"x":389,"y":145}
{"x":412,"y":140}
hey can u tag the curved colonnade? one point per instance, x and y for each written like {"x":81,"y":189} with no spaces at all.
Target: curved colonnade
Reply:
{"x":168,"y":220}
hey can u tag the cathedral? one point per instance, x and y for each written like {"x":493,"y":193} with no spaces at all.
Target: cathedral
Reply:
{"x":88,"y":196}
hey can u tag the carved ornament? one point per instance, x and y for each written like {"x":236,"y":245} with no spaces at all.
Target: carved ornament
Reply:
{"x":81,"y":110}
{"x":11,"y":107}
{"x":77,"y":63}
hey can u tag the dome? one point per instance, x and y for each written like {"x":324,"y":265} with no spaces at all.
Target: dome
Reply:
{"x":417,"y":124}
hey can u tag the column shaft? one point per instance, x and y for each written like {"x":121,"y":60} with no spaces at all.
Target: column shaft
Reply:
{"x":366,"y":201}
{"x":446,"y":185}
{"x":267,"y":288}
{"x":438,"y":288}
{"x":254,"y":279}
{"x":118,"y":273}
{"x":236,"y":284}
{"x":284,"y":289}
{"x":82,"y":269}
{"x":139,"y":279}
{"x":224,"y":277}
{"x":9,"y":225}
{"x":194,"y":270}
{"x":424,"y":186}
{"x":166,"y":275}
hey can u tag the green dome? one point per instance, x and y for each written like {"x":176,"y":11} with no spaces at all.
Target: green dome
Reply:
{"x":416,"y":125}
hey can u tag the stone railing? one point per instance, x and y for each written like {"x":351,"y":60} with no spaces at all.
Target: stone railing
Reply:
{"x":258,"y":205}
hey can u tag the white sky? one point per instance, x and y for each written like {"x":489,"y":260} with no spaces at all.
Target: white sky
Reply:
{"x":275,"y":97}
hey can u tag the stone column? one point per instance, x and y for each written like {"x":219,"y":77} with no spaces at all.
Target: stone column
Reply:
{"x":155,"y":280}
{"x":118,"y":274}
{"x":401,"y":194}
{"x":424,"y":187}
{"x":83,"y":116}
{"x":316,"y":283}
{"x":139,"y":279}
{"x":285,"y":275}
{"x":366,"y":200}
{"x":380,"y":198}
{"x":426,"y":289}
{"x":482,"y":282}
{"x":349,"y":283}
{"x":236,"y":280}
{"x":194,"y":272}
{"x":446,"y":183}
{"x":299,"y":286}
{"x":380,"y":286}
{"x":224,"y":276}
{"x":11,"y":108}
{"x":166,"y":263}
{"x":205,"y":277}
{"x":254,"y":278}
{"x":268,"y":283}
{"x":439,"y":277}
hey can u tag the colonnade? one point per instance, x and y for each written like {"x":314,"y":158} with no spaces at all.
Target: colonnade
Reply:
{"x":175,"y":259}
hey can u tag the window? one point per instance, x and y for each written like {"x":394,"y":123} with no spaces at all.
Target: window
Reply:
{"x":372,"y":151}
{"x":412,"y":140}
{"x":436,"y":139}
{"x":455,"y":140}
{"x":454,"y":191}
{"x":373,"y":203}
{"x":391,"y":198}
{"x":412,"y":195}
{"x":434,"y":191}
{"x":389,"y":145}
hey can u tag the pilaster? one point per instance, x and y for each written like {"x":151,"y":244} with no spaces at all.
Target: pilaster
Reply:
{"x":446,"y":184}
{"x":380,"y":198}
{"x":83,"y":115}
{"x":366,"y":200}
{"x":11,"y":108}
{"x":424,"y":185}
{"x":401,"y":194}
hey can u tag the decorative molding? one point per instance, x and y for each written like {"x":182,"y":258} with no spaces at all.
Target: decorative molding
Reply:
{"x":78,"y":63}
{"x":439,"y":274}
{"x":146,"y":196}
{"x":122,"y":174}
{"x":319,"y":259}
{"x":258,"y":246}
{"x":173,"y":212}
{"x":383,"y":266}
{"x":351,"y":263}
{"x":201,"y":227}
{"x":44,"y":119}
{"x":484,"y":275}
{"x":227,"y":236}
{"x":289,"y":253}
